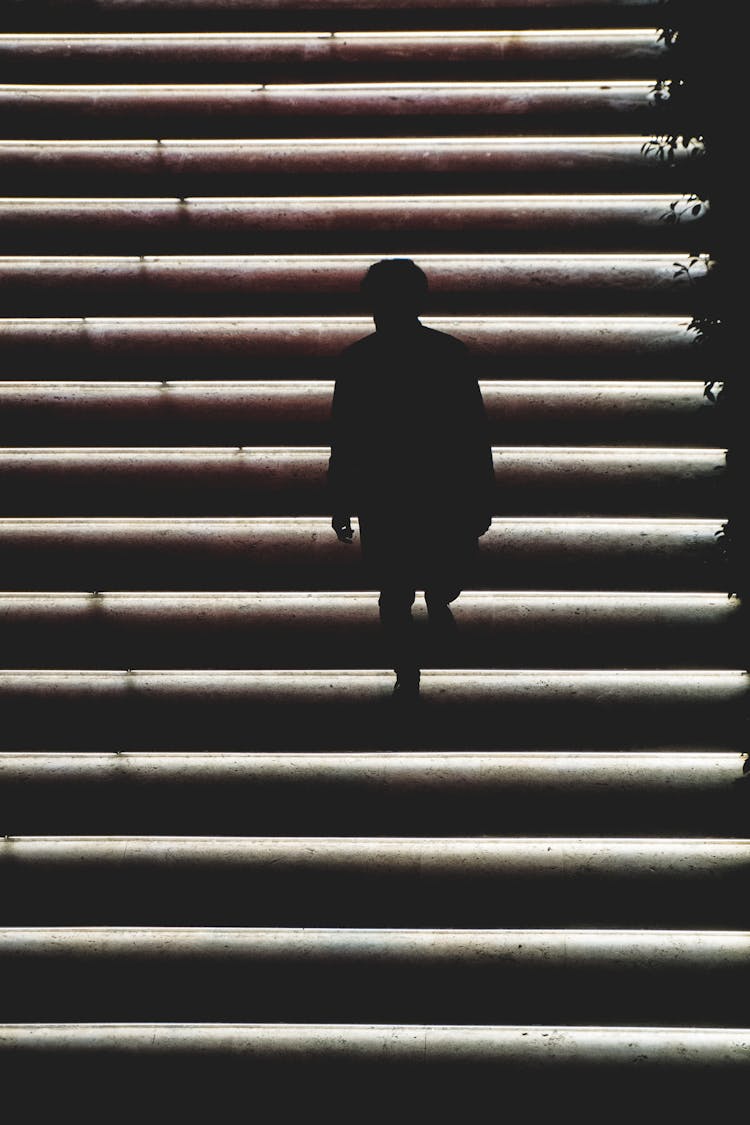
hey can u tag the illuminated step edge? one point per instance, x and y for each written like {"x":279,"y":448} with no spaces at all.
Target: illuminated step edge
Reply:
{"x":492,"y":773}
{"x":502,"y":1049}
{"x":596,"y":949}
{"x":413,"y":857}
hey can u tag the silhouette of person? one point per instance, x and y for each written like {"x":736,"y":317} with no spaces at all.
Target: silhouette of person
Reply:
{"x":411,"y":457}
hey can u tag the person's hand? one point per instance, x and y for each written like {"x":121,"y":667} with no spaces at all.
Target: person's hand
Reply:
{"x":342,"y":525}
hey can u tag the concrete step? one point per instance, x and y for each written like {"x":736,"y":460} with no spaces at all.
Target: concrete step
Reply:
{"x":560,"y":412}
{"x":204,"y":709}
{"x":286,"y":285}
{"x":535,"y":347}
{"x":675,"y":793}
{"x":375,"y":882}
{"x":333,"y":223}
{"x":547,"y":481}
{"x":340,"y":975}
{"x":354,"y":57}
{"x":357,"y":109}
{"x":199,"y":1067}
{"x":205,"y":15}
{"x":495,"y":630}
{"x":303,"y":554}
{"x":350,"y":166}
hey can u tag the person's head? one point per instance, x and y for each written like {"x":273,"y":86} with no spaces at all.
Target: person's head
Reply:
{"x":395,"y":290}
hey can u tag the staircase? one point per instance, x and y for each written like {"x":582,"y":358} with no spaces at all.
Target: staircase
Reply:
{"x":234,"y":879}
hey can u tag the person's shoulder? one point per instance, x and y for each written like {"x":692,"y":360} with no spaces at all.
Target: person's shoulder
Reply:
{"x":359,"y":347}
{"x":445,"y":341}
{"x":350,"y":362}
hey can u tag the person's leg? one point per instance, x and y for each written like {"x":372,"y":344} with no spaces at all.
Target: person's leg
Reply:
{"x":395,"y":602}
{"x":442,"y":623}
{"x":445,"y":556}
{"x":446,"y":567}
{"x":439,"y":595}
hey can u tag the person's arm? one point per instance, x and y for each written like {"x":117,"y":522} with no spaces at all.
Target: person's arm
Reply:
{"x":476,"y":449}
{"x":483,"y":469}
{"x":340,"y":463}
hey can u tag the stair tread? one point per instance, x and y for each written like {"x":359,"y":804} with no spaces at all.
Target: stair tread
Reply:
{"x":433,"y":223}
{"x":39,"y":412}
{"x":331,"y":109}
{"x":289,"y":347}
{"x":283,"y":553}
{"x":211,"y":56}
{"x":359,"y":166}
{"x":670,"y":771}
{"x":681,"y":1045}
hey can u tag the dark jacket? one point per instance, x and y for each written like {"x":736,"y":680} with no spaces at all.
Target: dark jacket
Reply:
{"x":409,"y":433}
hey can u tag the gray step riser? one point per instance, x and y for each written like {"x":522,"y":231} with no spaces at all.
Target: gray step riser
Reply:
{"x":251,"y":632}
{"x":149,"y":168}
{"x":671,"y":794}
{"x":305,"y":347}
{"x":290,"y":482}
{"x":433,"y":224}
{"x":242,"y":58}
{"x":96,"y":555}
{"x":123,"y":806}
{"x":304,"y":976}
{"x":275,"y":882}
{"x":563,"y":413}
{"x":225,"y":710}
{"x":517,"y":284}
{"x":195,"y":1079}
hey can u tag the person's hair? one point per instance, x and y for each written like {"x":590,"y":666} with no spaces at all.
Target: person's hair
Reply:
{"x":399,"y":278}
